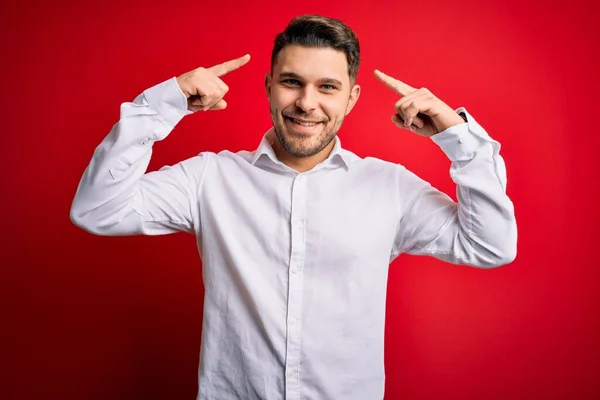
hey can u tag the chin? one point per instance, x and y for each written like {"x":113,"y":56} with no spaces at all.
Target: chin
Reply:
{"x":300,"y":145}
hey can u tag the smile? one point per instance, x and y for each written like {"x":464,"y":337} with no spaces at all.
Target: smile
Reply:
{"x":304,"y":123}
{"x":300,"y":126}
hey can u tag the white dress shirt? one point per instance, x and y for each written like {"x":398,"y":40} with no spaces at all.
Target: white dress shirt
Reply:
{"x":295,"y":265}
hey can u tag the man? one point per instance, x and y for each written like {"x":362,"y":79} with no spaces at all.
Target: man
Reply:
{"x":296,"y":237}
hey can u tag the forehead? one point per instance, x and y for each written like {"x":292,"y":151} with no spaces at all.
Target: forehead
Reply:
{"x":312,"y":63}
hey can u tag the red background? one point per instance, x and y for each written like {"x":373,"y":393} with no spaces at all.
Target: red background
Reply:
{"x":87,"y":317}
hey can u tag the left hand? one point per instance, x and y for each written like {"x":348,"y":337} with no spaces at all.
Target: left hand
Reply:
{"x":419,"y":110}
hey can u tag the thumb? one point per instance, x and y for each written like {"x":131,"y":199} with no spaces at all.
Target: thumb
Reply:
{"x":196,"y":105}
{"x":221,"y":105}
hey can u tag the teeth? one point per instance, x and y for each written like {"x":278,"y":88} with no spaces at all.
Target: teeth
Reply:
{"x":305,"y":123}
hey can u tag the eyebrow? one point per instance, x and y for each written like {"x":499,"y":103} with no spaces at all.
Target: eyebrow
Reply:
{"x":293,"y":75}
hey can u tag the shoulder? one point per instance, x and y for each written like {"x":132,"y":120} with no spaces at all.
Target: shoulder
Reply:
{"x":224,"y":159}
{"x":389,"y":173}
{"x":371,"y":164}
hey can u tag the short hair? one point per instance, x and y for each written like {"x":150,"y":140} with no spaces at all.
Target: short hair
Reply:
{"x":320,"y":31}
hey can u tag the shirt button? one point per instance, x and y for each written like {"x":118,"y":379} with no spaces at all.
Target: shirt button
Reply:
{"x":460,"y":141}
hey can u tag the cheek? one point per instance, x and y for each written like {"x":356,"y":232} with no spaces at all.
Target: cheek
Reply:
{"x":334,"y":109}
{"x":282,"y":99}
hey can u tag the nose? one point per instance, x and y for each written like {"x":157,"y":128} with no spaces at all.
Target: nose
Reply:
{"x":307,"y":99}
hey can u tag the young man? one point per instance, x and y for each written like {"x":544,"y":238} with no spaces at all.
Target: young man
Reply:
{"x":296,"y":237}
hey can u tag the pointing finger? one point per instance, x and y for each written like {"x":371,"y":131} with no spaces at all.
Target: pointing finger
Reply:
{"x":228,"y":66}
{"x":394,"y":84}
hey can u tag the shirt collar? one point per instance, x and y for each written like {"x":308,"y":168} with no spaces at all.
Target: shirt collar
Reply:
{"x":338,"y":156}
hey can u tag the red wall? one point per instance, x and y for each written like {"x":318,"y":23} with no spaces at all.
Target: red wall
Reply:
{"x":87,"y":317}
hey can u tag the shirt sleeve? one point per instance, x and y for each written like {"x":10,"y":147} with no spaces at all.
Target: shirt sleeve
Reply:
{"x":480,"y":229}
{"x":116,"y":197}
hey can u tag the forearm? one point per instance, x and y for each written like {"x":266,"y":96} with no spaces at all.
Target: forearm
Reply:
{"x":480,"y":229}
{"x":112,"y":186}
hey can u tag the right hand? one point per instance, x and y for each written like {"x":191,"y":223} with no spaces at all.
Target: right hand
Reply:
{"x":204,"y":88}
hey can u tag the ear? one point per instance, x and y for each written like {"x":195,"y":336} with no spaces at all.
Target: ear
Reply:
{"x":268,"y":80}
{"x":354,"y":95}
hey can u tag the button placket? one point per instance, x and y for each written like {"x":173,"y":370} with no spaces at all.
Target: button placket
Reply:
{"x":294,"y":316}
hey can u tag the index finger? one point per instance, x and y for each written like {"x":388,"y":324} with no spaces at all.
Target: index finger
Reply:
{"x":228,"y":66}
{"x":394,"y":84}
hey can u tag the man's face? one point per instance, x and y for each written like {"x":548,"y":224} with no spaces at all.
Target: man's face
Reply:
{"x":310,"y":93}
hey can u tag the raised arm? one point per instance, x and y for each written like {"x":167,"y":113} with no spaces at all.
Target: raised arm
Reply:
{"x":480,"y":229}
{"x":116,"y":196}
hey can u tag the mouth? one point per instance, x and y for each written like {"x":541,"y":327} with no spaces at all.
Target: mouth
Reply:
{"x":302,"y":125}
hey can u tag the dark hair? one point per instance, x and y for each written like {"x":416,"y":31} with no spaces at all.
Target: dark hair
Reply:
{"x":319,"y":31}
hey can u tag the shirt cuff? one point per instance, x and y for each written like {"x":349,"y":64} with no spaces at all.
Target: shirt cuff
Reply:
{"x":460,"y":142}
{"x":168,"y":101}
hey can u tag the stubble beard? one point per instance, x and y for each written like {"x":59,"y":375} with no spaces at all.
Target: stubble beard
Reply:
{"x":296,"y":144}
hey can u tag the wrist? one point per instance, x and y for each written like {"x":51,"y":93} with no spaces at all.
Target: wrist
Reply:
{"x":452,"y":120}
